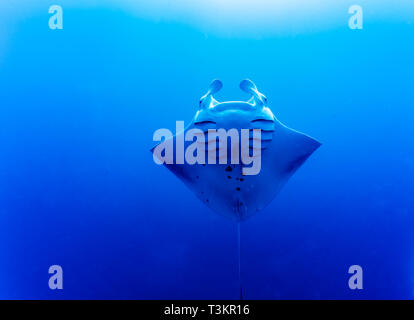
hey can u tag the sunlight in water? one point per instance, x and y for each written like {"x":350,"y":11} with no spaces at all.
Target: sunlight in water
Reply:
{"x":238,"y":18}
{"x":265,"y":17}
{"x":242,"y":17}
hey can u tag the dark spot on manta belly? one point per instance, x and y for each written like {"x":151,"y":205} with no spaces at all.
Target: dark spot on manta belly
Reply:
{"x":228,"y":177}
{"x":229,"y":169}
{"x":238,"y":189}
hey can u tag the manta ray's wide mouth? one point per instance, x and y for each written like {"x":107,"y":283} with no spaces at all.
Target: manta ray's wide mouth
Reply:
{"x":205,"y":122}
{"x":233,"y":105}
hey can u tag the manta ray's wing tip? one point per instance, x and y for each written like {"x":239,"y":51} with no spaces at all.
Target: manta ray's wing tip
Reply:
{"x":153,"y":148}
{"x":311,"y":145}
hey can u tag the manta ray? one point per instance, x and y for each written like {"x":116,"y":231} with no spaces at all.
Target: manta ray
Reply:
{"x":224,"y":185}
{"x":226,"y":188}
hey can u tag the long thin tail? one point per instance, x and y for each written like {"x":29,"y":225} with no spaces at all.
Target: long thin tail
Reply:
{"x":239,"y":259}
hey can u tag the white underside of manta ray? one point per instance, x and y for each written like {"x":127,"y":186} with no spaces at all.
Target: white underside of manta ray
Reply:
{"x":223,"y":187}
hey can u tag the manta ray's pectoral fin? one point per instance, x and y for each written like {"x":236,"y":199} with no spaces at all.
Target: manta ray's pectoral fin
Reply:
{"x":295,"y":147}
{"x":257,"y":98}
{"x":208,"y":100}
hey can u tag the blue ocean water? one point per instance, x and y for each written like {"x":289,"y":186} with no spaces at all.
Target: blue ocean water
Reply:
{"x":79,"y":188}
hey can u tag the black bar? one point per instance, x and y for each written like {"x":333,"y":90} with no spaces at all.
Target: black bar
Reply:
{"x":210,"y":309}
